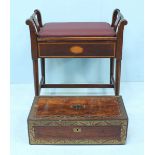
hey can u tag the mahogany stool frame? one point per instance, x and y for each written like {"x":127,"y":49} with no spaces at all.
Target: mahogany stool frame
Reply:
{"x":35,"y":23}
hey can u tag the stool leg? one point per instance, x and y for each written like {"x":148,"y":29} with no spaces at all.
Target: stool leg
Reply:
{"x":36,"y":76}
{"x":111,"y":69}
{"x":43,"y":69}
{"x":118,"y":76}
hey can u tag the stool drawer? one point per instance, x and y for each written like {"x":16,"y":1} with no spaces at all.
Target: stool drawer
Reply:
{"x":76,"y":49}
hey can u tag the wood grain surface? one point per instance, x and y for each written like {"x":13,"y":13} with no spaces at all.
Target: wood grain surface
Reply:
{"x":74,"y":106}
{"x":77,"y":120}
{"x":64,"y":132}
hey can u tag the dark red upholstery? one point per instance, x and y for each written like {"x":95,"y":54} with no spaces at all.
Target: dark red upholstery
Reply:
{"x":80,"y":29}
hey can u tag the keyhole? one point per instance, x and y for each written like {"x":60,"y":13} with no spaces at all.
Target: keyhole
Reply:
{"x":77,"y":129}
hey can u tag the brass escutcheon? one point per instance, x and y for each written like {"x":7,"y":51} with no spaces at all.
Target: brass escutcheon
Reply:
{"x":76,"y":129}
{"x":76,"y":49}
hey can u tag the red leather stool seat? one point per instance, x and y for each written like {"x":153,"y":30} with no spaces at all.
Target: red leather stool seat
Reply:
{"x":77,"y":29}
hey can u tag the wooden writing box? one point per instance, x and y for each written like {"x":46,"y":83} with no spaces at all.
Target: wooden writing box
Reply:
{"x":78,"y":120}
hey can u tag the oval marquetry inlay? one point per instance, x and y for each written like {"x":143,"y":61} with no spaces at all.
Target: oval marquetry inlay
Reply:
{"x":76,"y":49}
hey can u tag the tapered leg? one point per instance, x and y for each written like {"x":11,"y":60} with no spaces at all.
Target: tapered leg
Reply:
{"x":43,"y":69}
{"x":111,"y":69}
{"x":118,"y":76}
{"x":36,"y":76}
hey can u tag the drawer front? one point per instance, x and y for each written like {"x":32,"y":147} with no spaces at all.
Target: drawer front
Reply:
{"x":77,"y":49}
{"x":77,"y":132}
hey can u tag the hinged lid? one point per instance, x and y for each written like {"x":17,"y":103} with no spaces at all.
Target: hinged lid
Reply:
{"x":77,"y":108}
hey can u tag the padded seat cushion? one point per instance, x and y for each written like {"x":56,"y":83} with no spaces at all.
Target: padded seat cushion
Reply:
{"x":77,"y":29}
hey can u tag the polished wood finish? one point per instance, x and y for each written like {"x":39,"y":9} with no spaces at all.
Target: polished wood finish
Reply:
{"x":42,"y":60}
{"x":95,"y":132}
{"x":111,"y":70}
{"x":92,"y":47}
{"x":76,"y":39}
{"x":88,"y":50}
{"x":78,"y":120}
{"x":118,"y":76}
{"x":92,"y":106}
{"x":37,"y":12}
{"x":77,"y":85}
{"x":36,"y":76}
